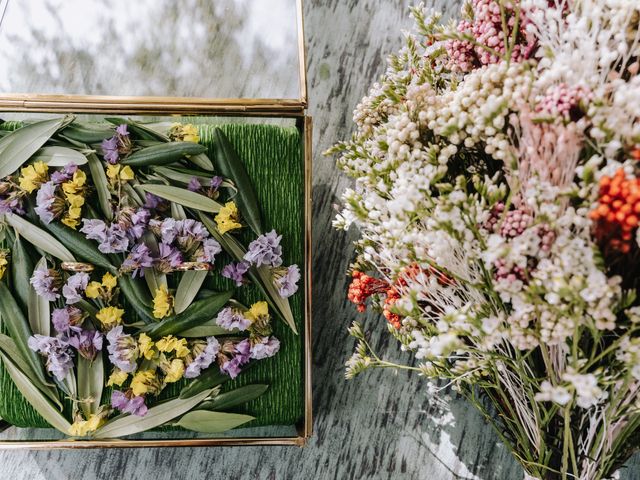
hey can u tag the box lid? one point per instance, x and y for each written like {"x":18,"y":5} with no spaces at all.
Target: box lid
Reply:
{"x":222,"y":56}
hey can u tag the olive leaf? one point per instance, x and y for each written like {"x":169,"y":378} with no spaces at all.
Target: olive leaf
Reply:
{"x":39,"y":238}
{"x":141,"y":131}
{"x":138,"y":298}
{"x":39,"y":309}
{"x":203,"y":161}
{"x":90,"y":383}
{"x":230,"y":166}
{"x":212,"y":422}
{"x":87,"y":133}
{"x":17,"y":147}
{"x":206,"y":329}
{"x":183,"y":197}
{"x":19,"y":330}
{"x":163,"y":154}
{"x":35,"y":397}
{"x":188,"y":288}
{"x":209,"y":378}
{"x":156,"y":416}
{"x":21,"y":270}
{"x":233,"y":398}
{"x":181,"y":177}
{"x":59,"y":156}
{"x":101,"y":184}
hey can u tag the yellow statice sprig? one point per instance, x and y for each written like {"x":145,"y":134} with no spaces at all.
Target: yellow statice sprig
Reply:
{"x":184,"y":133}
{"x":32,"y":176}
{"x":228,"y":218}
{"x":4,"y":261}
{"x":74,"y":191}
{"x":103,"y":290}
{"x":162,"y":303}
{"x":118,"y":172}
{"x":110,"y":317}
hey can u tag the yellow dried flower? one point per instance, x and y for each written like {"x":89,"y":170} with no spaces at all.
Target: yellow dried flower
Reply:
{"x":185,"y":133}
{"x":228,"y":218}
{"x":117,"y":377}
{"x":82,"y":428}
{"x":162,"y":303}
{"x":4,"y":261}
{"x":145,"y":345}
{"x":110,"y":316}
{"x":257,"y":310}
{"x":93,"y":290}
{"x":115,"y":172}
{"x":32,"y":176}
{"x":170,"y":344}
{"x":144,"y":381}
{"x":109,"y":281}
{"x":175,"y":371}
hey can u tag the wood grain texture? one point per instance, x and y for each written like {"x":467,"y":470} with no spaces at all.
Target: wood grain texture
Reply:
{"x":380,"y":426}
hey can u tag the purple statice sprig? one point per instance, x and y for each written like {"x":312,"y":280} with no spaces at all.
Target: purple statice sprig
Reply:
{"x":74,"y":289}
{"x":286,"y":280}
{"x":57,"y":351}
{"x":236,"y":272}
{"x":47,"y":283}
{"x":265,"y":250}
{"x":265,"y":347}
{"x":210,"y":189}
{"x":67,"y":318}
{"x":87,"y":342}
{"x":231,"y":318}
{"x":111,"y":238}
{"x":240,"y":356}
{"x":49,"y":206}
{"x":138,"y":259}
{"x":117,"y":146}
{"x":123,"y":349}
{"x":129,"y":403}
{"x":204,"y":359}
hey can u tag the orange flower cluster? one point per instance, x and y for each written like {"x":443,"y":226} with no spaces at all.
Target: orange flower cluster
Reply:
{"x":362,"y":287}
{"x":618,"y":212}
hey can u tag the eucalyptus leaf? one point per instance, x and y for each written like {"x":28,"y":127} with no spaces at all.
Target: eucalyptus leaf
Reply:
{"x":39,"y":309}
{"x":21,"y":144}
{"x":19,"y":330}
{"x":39,"y":238}
{"x":212,"y":422}
{"x":188,"y":288}
{"x":10,"y":349}
{"x":233,"y":398}
{"x":100,"y":181}
{"x":21,"y":270}
{"x":230,"y":166}
{"x":90,"y":383}
{"x":37,"y":400}
{"x":183,"y":197}
{"x":59,"y":156}
{"x":156,"y":416}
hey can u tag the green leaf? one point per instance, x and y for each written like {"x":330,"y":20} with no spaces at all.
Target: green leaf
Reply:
{"x":81,"y":246}
{"x":233,"y":398}
{"x":101,"y":183}
{"x":183,"y":197}
{"x":141,"y":131}
{"x":260,"y":276}
{"x":59,"y":156}
{"x":37,"y":400}
{"x":188,"y":288}
{"x":21,"y":270}
{"x":163,"y":154}
{"x":87,"y":133}
{"x":156,"y":416}
{"x":39,"y":309}
{"x":207,"y":329}
{"x":137,"y":297}
{"x":230,"y":166}
{"x":203,"y":161}
{"x":10,"y":349}
{"x":39,"y":238}
{"x":19,"y":331}
{"x":90,"y":383}
{"x":21,"y":144}
{"x":176,"y":176}
{"x":212,"y":422}
{"x":208,"y":379}
{"x":196,"y":314}
{"x":177,"y":211}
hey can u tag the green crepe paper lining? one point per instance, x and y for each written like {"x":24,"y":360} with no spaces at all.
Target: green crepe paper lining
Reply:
{"x":274,"y":160}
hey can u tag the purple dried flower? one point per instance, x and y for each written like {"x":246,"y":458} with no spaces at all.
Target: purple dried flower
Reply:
{"x":204,"y":359}
{"x":58,"y":352}
{"x":136,"y":223}
{"x":66,"y":318}
{"x":11,"y":204}
{"x":64,"y":175}
{"x":122,"y":131}
{"x":208,"y":251}
{"x":139,"y":258}
{"x":123,"y":349}
{"x":215,"y":182}
{"x":242,"y":355}
{"x":235,"y":272}
{"x":265,"y":348}
{"x":48,"y":206}
{"x":231,"y":319}
{"x":128,"y":404}
{"x":152,"y":202}
{"x":75,"y":287}
{"x":265,"y":250}
{"x":286,"y":279}
{"x":115,"y":241}
{"x":167,"y":229}
{"x":110,"y":150}
{"x":169,"y":258}
{"x":190,"y":229}
{"x":194,"y":184}
{"x":46,"y":283}
{"x":87,"y":342}
{"x":94,"y":229}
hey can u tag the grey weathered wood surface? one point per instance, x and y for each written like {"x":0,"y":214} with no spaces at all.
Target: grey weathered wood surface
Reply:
{"x":380,"y":426}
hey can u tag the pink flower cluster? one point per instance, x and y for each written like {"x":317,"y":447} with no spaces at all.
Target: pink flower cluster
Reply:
{"x":564,"y":101}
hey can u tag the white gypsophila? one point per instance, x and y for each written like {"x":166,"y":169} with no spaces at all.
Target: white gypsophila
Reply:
{"x":587,"y":391}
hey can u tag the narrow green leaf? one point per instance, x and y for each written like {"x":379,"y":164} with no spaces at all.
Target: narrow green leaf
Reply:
{"x":137,"y":297}
{"x":208,"y":379}
{"x":142,"y":132}
{"x":19,"y":330}
{"x":85,"y":249}
{"x":177,"y":211}
{"x":212,"y":422}
{"x":21,"y":144}
{"x":206,"y":329}
{"x":10,"y":349}
{"x":39,"y":309}
{"x":152,"y":277}
{"x":176,"y":176}
{"x":37,"y":400}
{"x":196,"y":314}
{"x":230,"y":166}
{"x":100,"y":181}
{"x":39,"y":238}
{"x":163,"y":154}
{"x":59,"y":156}
{"x":87,"y":133}
{"x":233,"y":398}
{"x":188,"y":288}
{"x":156,"y":416}
{"x":90,"y":383}
{"x":183,"y":197}
{"x":21,"y":270}
{"x":203,"y":161}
